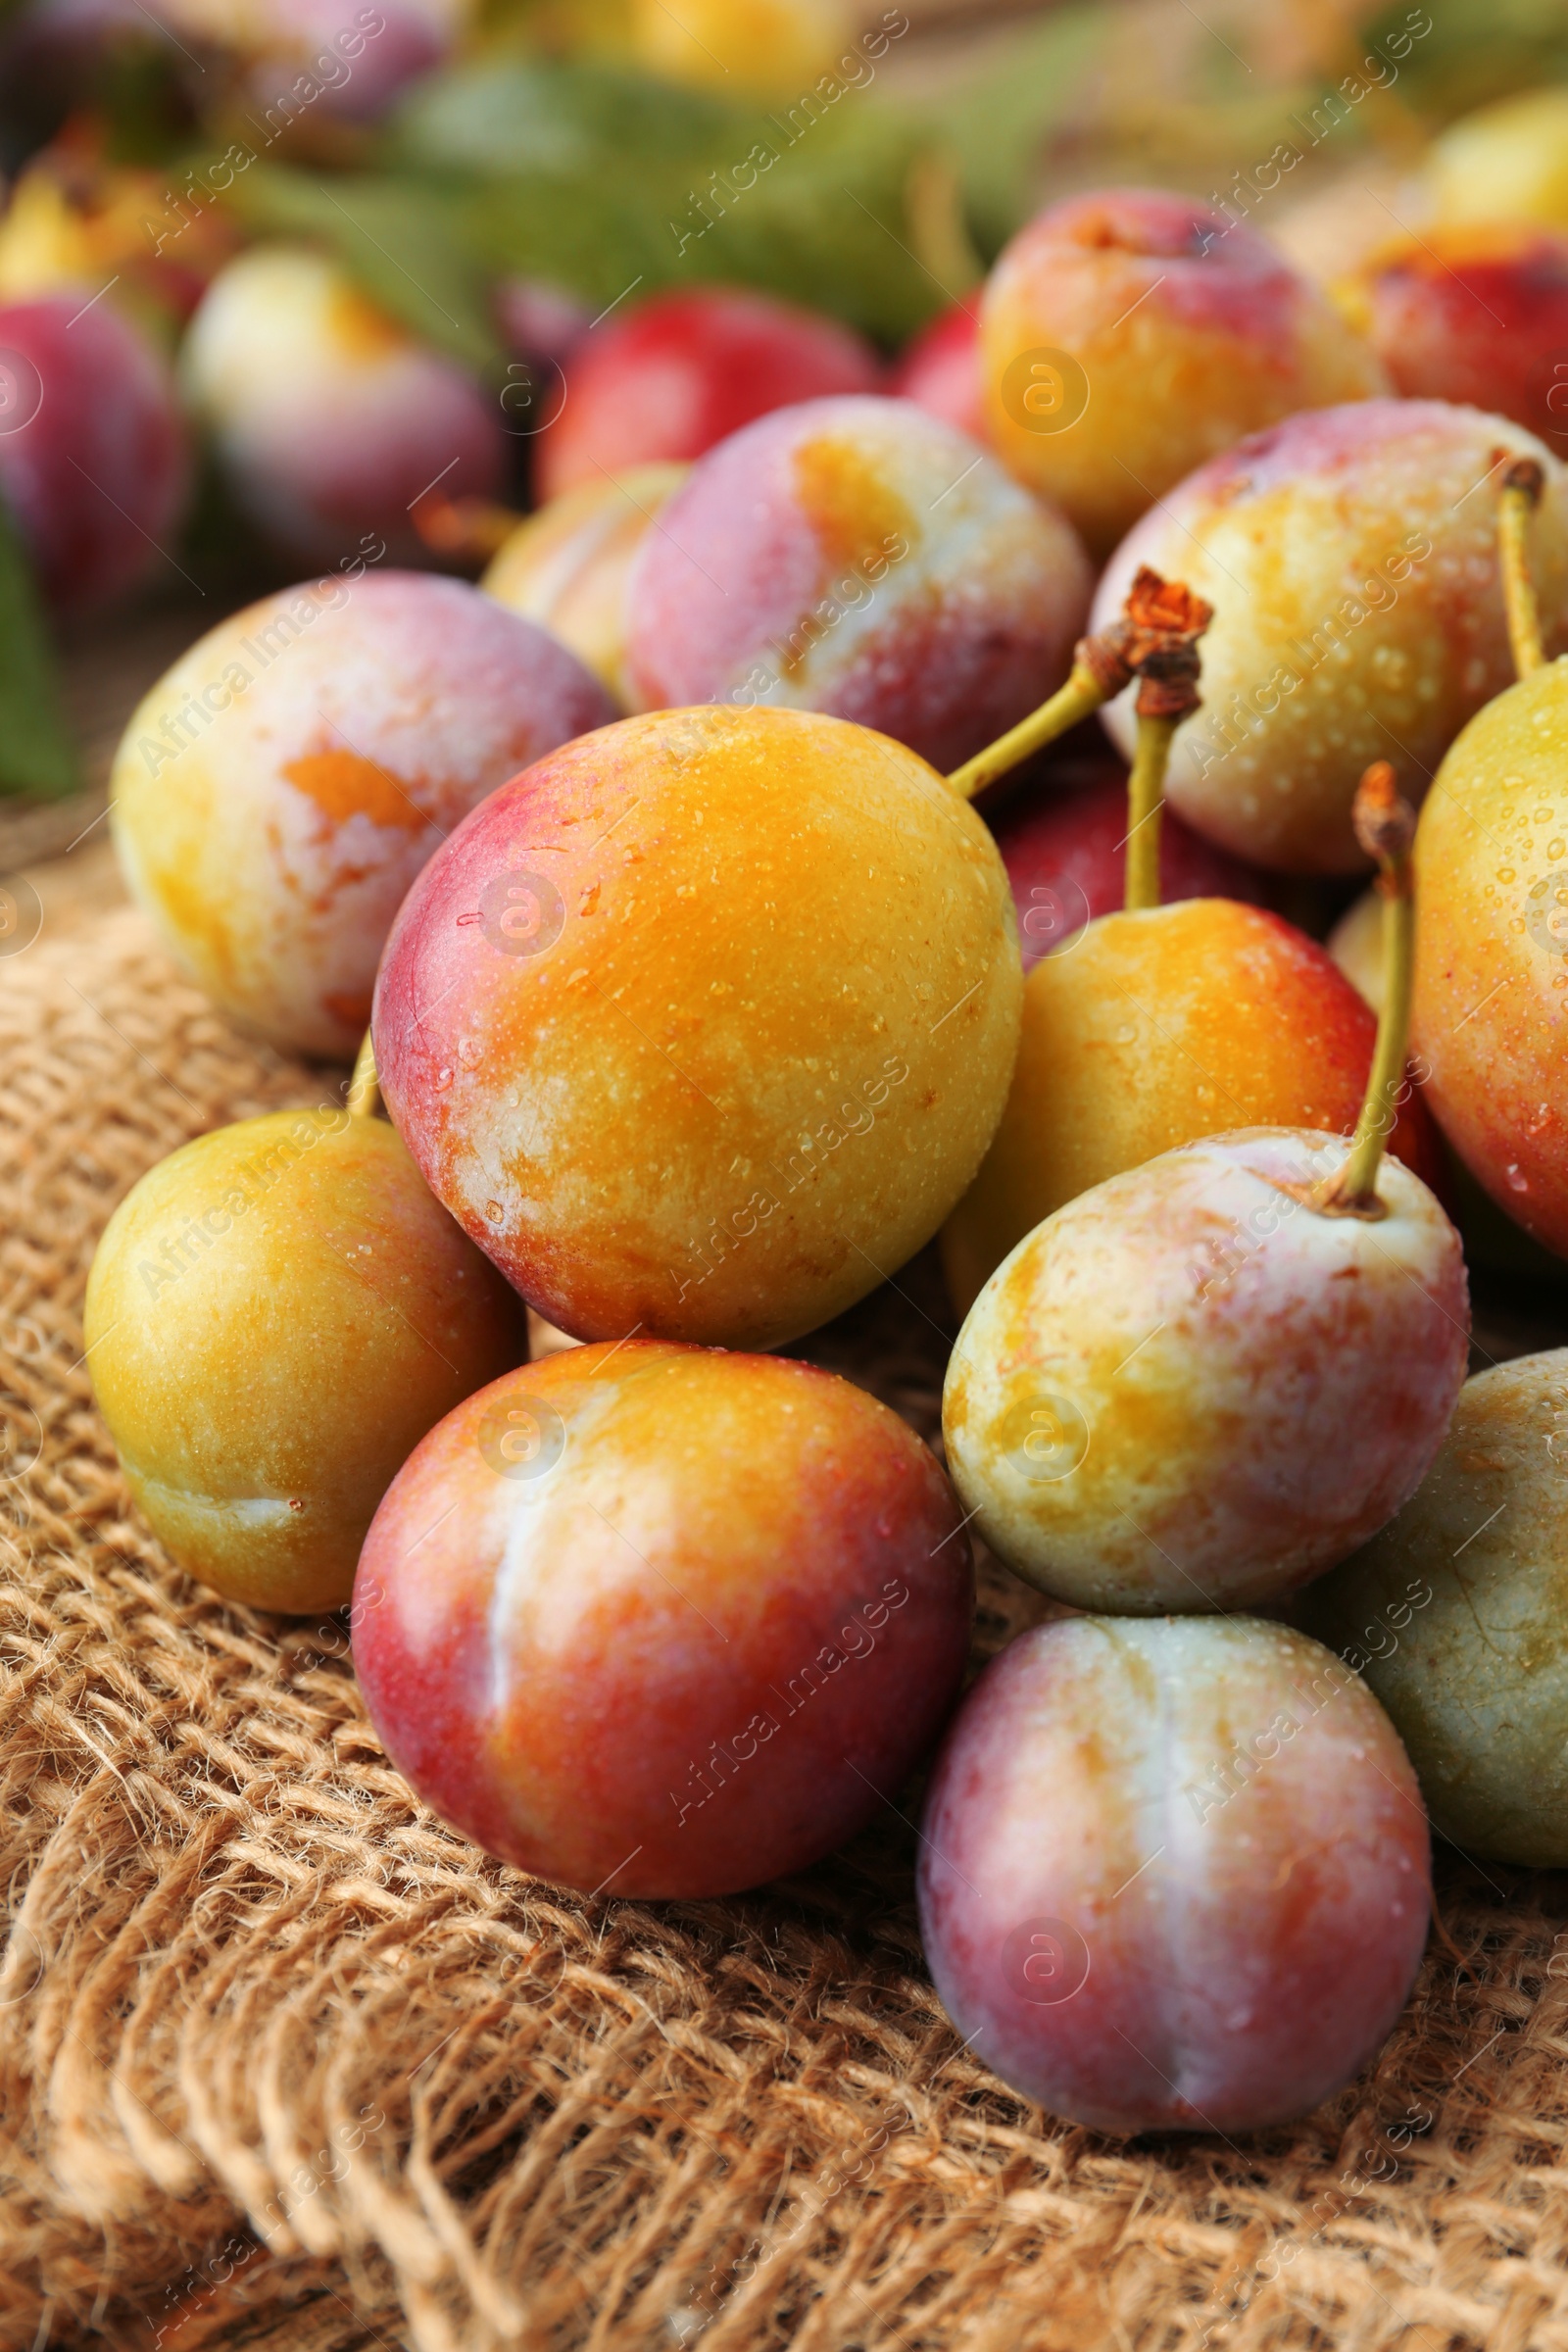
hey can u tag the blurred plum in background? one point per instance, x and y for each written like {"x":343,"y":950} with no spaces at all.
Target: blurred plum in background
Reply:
{"x":680,"y":372}
{"x":940,"y":372}
{"x":1475,"y":314}
{"x":328,"y":417}
{"x":93,"y":459}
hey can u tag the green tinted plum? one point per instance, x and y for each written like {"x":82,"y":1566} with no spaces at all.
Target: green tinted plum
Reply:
{"x":1458,"y":1616}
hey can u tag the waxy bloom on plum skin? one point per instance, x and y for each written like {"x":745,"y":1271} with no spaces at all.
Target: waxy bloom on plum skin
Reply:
{"x":701,"y":1026}
{"x":1174,"y":1874}
{"x":279,"y":788}
{"x":664,"y":1620}
{"x":1350,"y":558}
{"x":1192,"y":1390}
{"x":860,"y":556}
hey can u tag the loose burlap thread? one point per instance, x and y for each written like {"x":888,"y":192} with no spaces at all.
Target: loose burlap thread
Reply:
{"x":286,"y":2061}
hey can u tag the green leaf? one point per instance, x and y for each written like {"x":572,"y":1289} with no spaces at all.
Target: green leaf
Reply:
{"x":998,"y":120}
{"x":37,"y":754}
{"x":602,"y":180}
{"x":404,"y":242}
{"x":826,"y":224}
{"x":1473,"y":49}
{"x":508,"y":115}
{"x":606,"y":184}
{"x":822,"y":223}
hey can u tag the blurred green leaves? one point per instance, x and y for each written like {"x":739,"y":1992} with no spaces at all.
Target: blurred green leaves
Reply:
{"x":1475,"y":50}
{"x":403,"y":240}
{"x":36,"y":753}
{"x":997,"y":121}
{"x":595,"y":178}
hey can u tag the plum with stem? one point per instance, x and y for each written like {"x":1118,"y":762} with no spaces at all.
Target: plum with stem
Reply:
{"x":1490,"y":1013}
{"x":1213,"y":1377}
{"x":1065,"y":847}
{"x":1158,"y":1024}
{"x":702,"y":1024}
{"x":1350,"y":559}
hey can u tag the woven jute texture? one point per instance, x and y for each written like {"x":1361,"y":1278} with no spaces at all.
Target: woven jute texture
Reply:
{"x":285,"y":2062}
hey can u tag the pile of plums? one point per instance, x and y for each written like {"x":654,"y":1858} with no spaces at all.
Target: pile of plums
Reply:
{"x":693,"y":994}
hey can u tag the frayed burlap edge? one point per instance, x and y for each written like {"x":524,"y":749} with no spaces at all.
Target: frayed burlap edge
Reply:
{"x":284,"y":2060}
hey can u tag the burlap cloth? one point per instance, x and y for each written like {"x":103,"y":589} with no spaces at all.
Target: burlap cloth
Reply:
{"x":285,"y":2062}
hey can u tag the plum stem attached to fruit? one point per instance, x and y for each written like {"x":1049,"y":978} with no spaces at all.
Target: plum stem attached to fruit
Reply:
{"x":1385,"y":827}
{"x":1161,"y":622}
{"x":1167,"y":692}
{"x":365,"y":1087}
{"x":1521,"y":486}
{"x":1086,"y":689}
{"x":1146,"y":804}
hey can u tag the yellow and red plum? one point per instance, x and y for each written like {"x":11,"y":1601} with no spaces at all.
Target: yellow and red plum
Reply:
{"x":1191,"y":1390}
{"x":1173,"y":1876}
{"x":1490,"y":1016}
{"x":1458,"y":1616}
{"x":664,"y":1621}
{"x":276,"y":1313}
{"x":669,"y":378}
{"x":861,"y":558}
{"x":1129,"y":335}
{"x":278,"y":790}
{"x":1350,"y":558}
{"x":1475,"y":314}
{"x":567,"y":567}
{"x":328,"y":417}
{"x":1150,"y":1030}
{"x":701,"y":1026}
